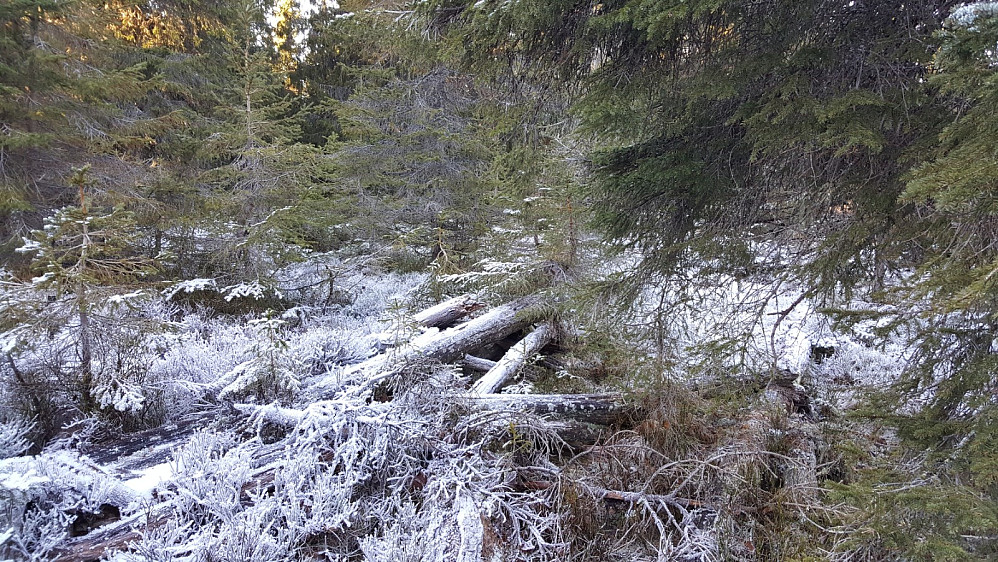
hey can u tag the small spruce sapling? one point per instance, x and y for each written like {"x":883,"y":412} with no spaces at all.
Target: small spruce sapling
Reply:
{"x":87,"y":261}
{"x":272,"y":372}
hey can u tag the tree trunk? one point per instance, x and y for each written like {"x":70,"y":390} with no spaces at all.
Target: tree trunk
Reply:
{"x":513,"y":360}
{"x":87,"y":403}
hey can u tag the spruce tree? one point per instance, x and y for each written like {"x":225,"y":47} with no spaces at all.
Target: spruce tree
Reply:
{"x":83,"y":257}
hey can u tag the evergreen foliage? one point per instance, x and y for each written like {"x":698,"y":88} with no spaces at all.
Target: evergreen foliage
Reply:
{"x":88,"y":270}
{"x":825,"y":153}
{"x":838,"y":146}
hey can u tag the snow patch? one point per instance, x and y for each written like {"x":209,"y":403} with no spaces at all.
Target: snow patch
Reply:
{"x":21,"y":482}
{"x":149,"y":478}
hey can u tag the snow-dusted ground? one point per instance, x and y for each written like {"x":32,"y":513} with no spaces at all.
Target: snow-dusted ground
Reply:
{"x":420,"y":477}
{"x":766,"y":324}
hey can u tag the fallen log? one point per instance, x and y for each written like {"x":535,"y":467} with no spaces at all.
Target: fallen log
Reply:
{"x":446,"y":313}
{"x":116,"y":536}
{"x":142,"y":449}
{"x":513,"y":360}
{"x":120,"y":534}
{"x":477,"y":363}
{"x":443,"y":346}
{"x":599,"y":409}
{"x":581,"y":421}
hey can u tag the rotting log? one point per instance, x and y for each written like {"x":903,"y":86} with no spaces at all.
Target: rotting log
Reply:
{"x":600,"y":409}
{"x":116,"y":536}
{"x":444,"y":346}
{"x":513,"y":360}
{"x":477,"y":363}
{"x":446,"y":313}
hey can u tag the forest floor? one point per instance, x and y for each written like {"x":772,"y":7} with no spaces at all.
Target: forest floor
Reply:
{"x":368,"y":421}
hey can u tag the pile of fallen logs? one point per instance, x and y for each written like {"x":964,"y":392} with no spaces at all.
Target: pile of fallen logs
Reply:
{"x":491,"y":347}
{"x":448,"y":336}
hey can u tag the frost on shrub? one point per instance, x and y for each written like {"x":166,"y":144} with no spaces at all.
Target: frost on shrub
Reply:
{"x":190,"y":286}
{"x":374,"y":297}
{"x":501,"y":277}
{"x":966,"y":14}
{"x":254,"y":290}
{"x":251,"y":296}
{"x":325,"y":347}
{"x":201,"y":351}
{"x":219,"y":512}
{"x":271,"y":372}
{"x":14,"y":437}
{"x":43,"y":360}
{"x":119,"y":395}
{"x":41,"y":496}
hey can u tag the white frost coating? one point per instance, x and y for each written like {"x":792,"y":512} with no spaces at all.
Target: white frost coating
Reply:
{"x":150,"y":478}
{"x":967,"y":14}
{"x":42,"y":279}
{"x":123,"y":397}
{"x":424,"y":339}
{"x":469,"y":523}
{"x":29,"y":246}
{"x":119,"y":299}
{"x":513,"y":360}
{"x":8,"y":342}
{"x":64,"y":472}
{"x":254,"y":290}
{"x":445,"y":311}
{"x":190,"y":286}
{"x":21,"y":482}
